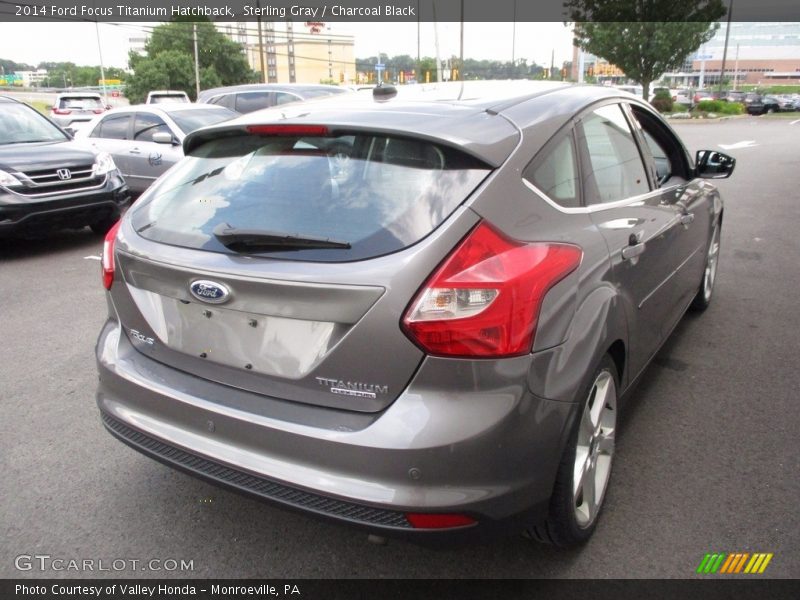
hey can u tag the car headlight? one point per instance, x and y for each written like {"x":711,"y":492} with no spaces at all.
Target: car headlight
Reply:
{"x":7,"y":179}
{"x":103,"y":164}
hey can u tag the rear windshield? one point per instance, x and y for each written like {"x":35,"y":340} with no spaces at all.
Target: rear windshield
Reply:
{"x":189,"y":120}
{"x":371,"y":194}
{"x":88,"y":102}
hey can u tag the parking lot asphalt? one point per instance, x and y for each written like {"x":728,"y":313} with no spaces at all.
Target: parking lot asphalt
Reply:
{"x":706,"y":460}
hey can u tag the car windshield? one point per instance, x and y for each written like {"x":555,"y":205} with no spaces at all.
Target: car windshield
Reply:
{"x":189,"y":120}
{"x":371,"y":194}
{"x":80,"y":103}
{"x":20,"y":124}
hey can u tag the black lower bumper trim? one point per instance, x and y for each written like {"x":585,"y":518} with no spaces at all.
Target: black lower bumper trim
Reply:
{"x":253,"y":484}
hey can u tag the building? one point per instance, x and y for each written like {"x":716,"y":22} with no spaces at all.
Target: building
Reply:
{"x":302,"y":53}
{"x":758,"y":54}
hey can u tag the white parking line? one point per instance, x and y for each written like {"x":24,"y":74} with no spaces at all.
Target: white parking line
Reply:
{"x":92,"y":257}
{"x":795,"y":122}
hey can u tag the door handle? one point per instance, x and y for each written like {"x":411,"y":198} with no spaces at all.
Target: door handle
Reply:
{"x":635,"y":246}
{"x":134,"y":151}
{"x":629,"y":252}
{"x":687,"y":218}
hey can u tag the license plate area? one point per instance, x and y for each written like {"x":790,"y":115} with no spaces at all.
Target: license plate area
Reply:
{"x":253,"y":342}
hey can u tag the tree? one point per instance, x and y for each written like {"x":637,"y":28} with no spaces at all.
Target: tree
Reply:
{"x":169,"y":60}
{"x":645,"y":38}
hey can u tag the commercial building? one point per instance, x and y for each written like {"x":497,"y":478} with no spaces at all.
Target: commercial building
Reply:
{"x":301,"y":53}
{"x":758,"y":54}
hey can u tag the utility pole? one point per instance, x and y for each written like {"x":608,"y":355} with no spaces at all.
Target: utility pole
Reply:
{"x":514,"y":36}
{"x":725,"y":50}
{"x":436,"y":44}
{"x":102,"y":68}
{"x":736,"y":69}
{"x":196,"y":61}
{"x":261,"y":45}
{"x":461,"y":50}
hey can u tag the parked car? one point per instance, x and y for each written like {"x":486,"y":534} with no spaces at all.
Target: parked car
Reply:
{"x":700,"y":95}
{"x":145,"y":140}
{"x":757,"y":104}
{"x":47,"y":181}
{"x":681,"y":96}
{"x":250,"y":97}
{"x":734,"y":96}
{"x":430,"y":342}
{"x":786,"y":103}
{"x":71,"y":109}
{"x":166,"y":97}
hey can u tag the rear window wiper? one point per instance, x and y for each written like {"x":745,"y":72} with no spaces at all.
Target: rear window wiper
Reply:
{"x":258,"y":239}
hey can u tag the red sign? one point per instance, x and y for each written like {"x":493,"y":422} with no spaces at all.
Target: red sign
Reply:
{"x":315,"y":26}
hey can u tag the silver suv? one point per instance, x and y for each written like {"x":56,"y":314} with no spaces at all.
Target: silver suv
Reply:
{"x":412,"y":314}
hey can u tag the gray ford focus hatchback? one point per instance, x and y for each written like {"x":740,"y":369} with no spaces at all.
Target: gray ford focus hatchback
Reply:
{"x":414,"y":313}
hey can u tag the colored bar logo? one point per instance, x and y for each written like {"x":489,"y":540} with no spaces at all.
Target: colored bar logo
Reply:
{"x":734,"y":563}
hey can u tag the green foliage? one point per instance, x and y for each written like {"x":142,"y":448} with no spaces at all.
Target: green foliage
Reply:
{"x":719,"y":107}
{"x":677,"y":107}
{"x":645,"y":38}
{"x":663,"y":102}
{"x":169,"y":61}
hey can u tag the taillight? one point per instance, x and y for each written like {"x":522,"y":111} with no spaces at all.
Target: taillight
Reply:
{"x":107,"y":259}
{"x":62,"y":111}
{"x":484,"y":300}
{"x":97,"y":111}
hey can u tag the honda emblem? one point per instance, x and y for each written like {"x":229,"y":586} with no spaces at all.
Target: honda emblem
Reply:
{"x":64,"y":174}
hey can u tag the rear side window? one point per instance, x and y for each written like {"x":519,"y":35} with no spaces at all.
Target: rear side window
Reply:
{"x":377,"y":194}
{"x":555,"y":172}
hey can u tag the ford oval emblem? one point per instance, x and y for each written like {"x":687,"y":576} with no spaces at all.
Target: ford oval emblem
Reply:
{"x":209,"y":291}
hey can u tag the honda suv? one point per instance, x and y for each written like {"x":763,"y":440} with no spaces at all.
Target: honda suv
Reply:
{"x":48,"y":181}
{"x":412,"y":314}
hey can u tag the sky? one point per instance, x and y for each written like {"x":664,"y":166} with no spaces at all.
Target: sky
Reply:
{"x":78,"y":42}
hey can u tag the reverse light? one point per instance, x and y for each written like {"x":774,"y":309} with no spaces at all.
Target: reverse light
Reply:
{"x":438,"y":520}
{"x":484,"y":299}
{"x":7,"y":179}
{"x":107,"y":258}
{"x":103,"y":164}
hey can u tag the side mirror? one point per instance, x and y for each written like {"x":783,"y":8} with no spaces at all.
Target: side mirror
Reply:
{"x":711,"y":164}
{"x":162,"y":137}
{"x":70,"y":131}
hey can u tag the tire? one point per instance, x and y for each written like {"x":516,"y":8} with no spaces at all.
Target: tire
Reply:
{"x":702,"y":299}
{"x":585,"y":468}
{"x":102,"y":226}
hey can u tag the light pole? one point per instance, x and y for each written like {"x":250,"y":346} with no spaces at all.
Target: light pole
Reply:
{"x":725,"y":50}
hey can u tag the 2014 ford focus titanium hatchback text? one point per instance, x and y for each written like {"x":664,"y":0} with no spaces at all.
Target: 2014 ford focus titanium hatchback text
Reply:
{"x":415,"y":315}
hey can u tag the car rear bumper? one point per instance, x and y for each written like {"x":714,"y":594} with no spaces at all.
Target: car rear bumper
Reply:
{"x":490,"y":454}
{"x":20,"y":215}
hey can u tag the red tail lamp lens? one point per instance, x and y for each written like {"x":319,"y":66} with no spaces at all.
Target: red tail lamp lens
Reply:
{"x":484,"y":300}
{"x":438,"y":521}
{"x":107,"y":259}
